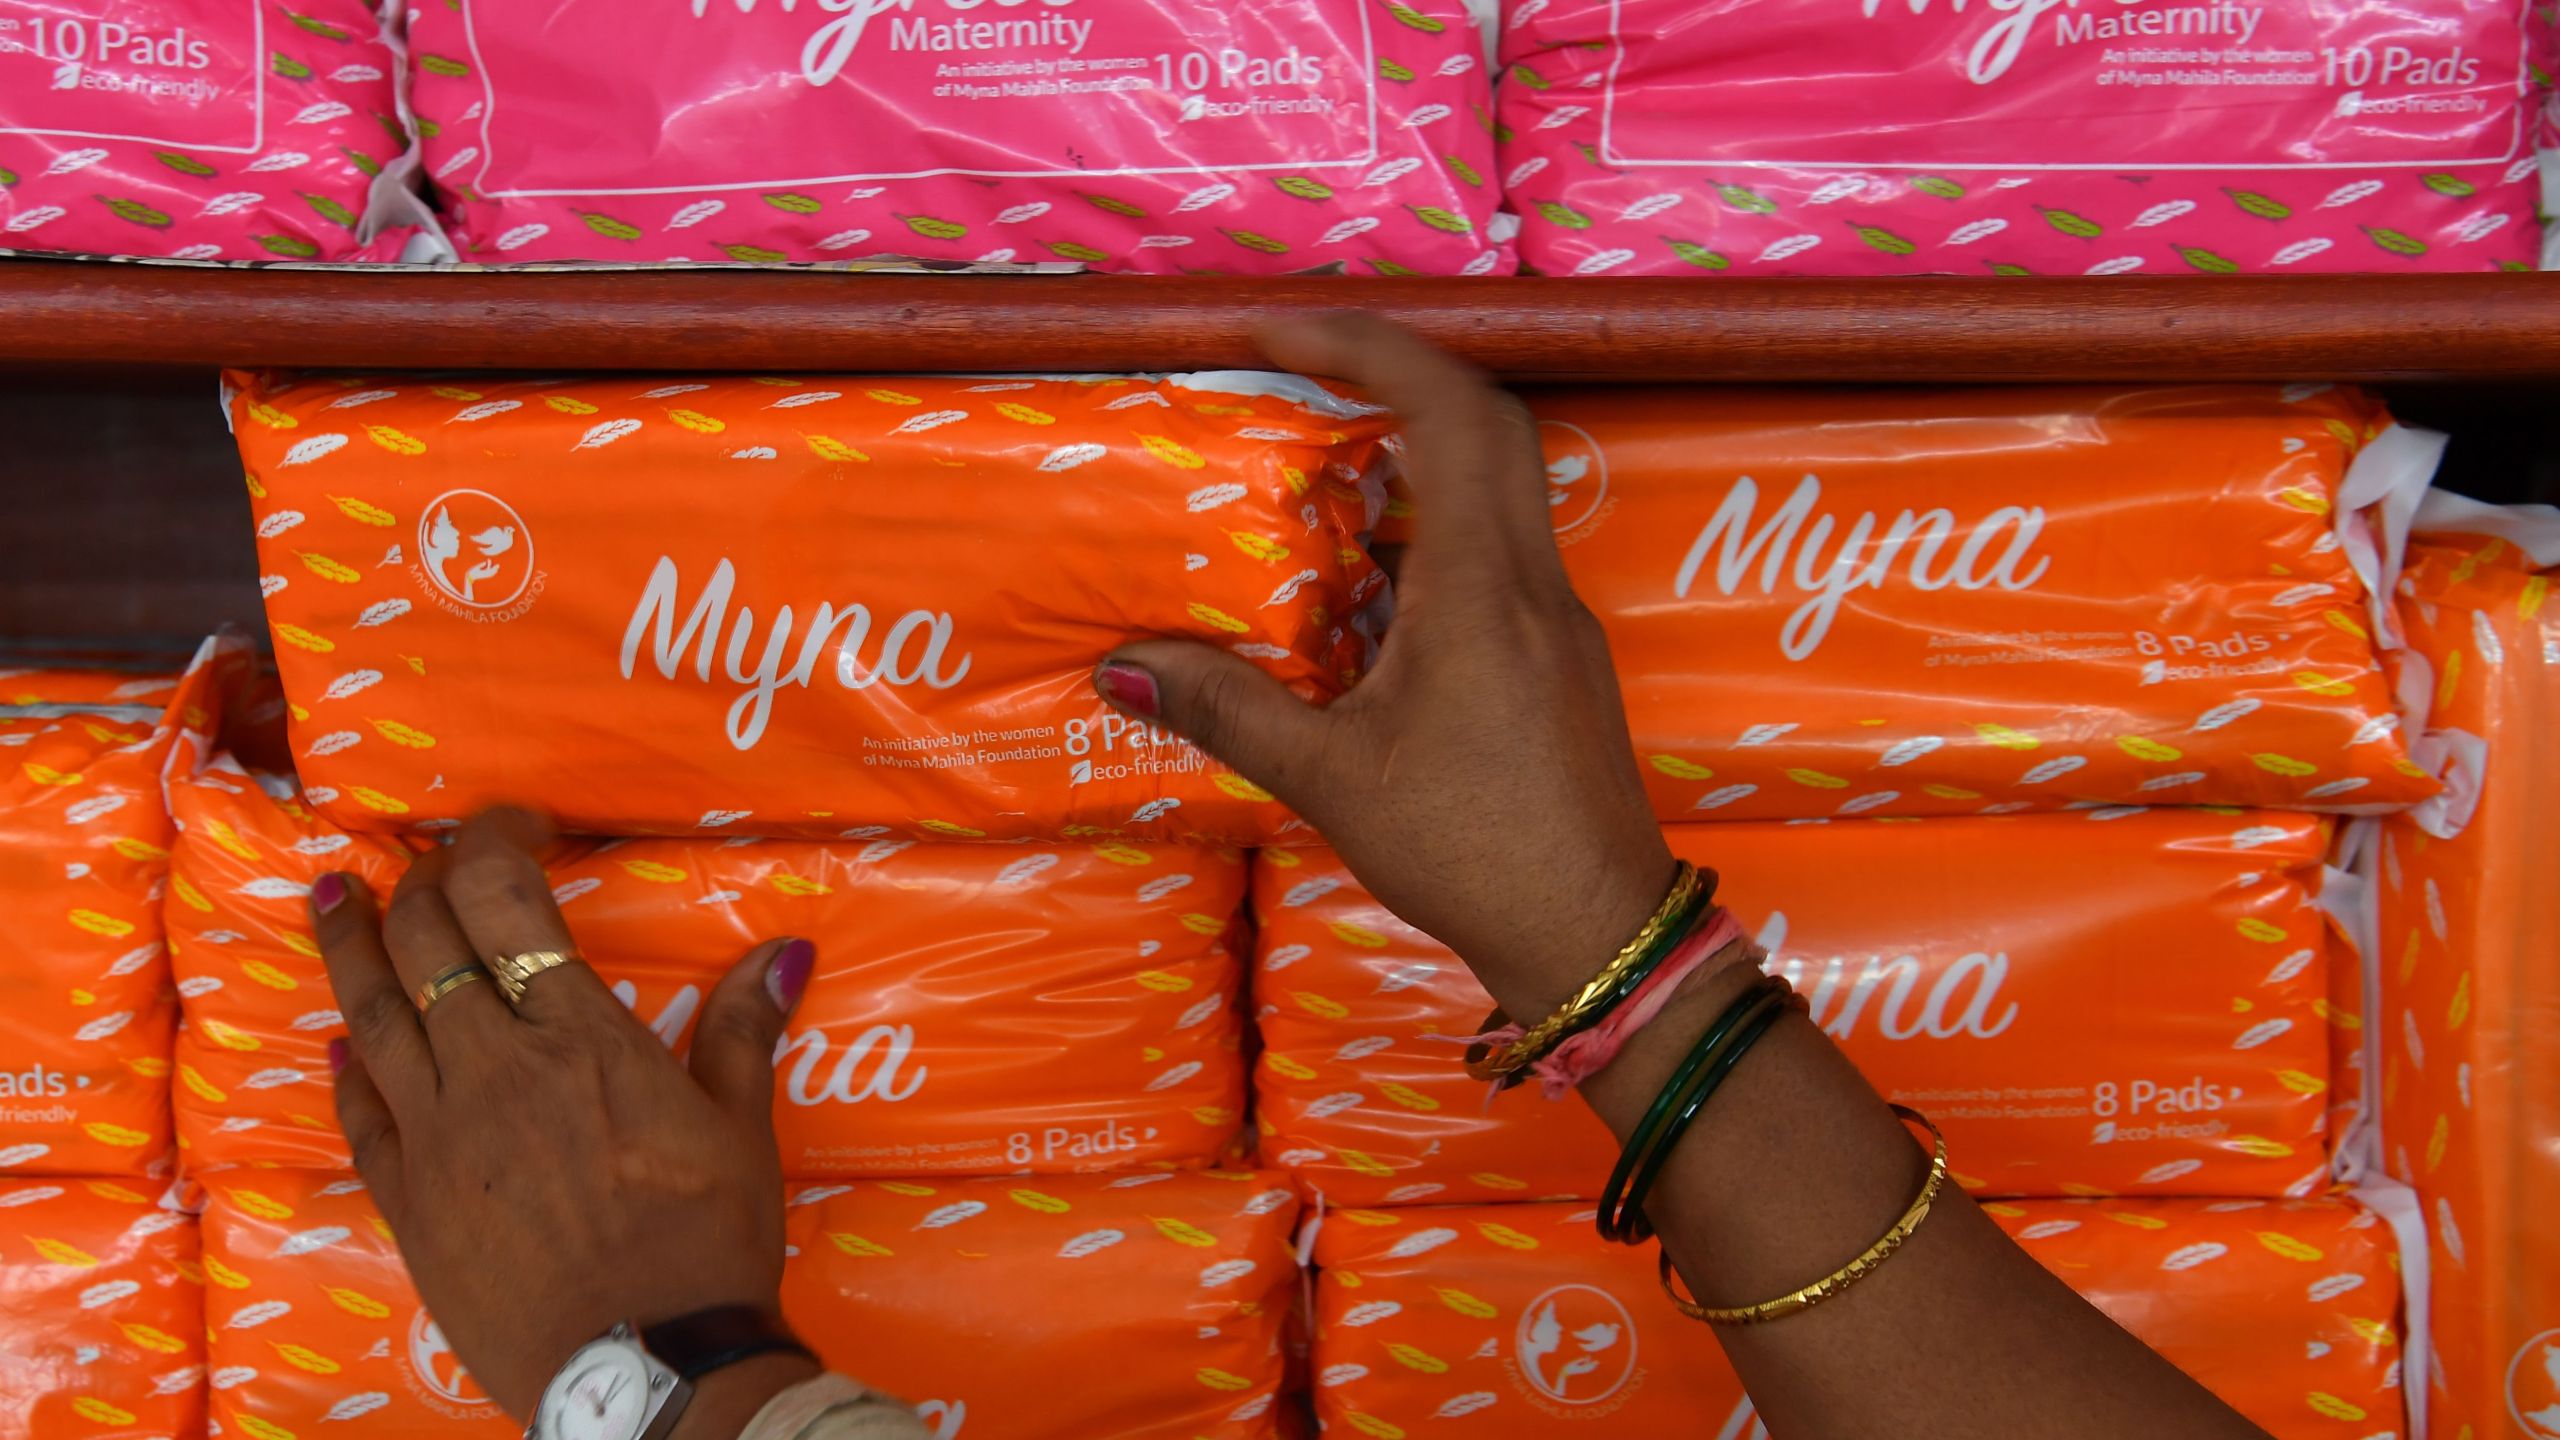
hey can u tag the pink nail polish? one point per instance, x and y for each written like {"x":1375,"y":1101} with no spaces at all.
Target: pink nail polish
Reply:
{"x":338,"y":1051}
{"x":329,"y":893}
{"x":1128,"y":686}
{"x":788,"y":974}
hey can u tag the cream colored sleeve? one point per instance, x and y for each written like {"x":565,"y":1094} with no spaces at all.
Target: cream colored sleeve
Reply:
{"x":832,"y":1407}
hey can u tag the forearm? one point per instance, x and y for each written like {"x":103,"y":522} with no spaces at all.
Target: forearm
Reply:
{"x":1795,"y":1167}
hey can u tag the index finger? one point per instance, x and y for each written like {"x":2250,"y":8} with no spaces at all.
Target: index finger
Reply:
{"x":1472,"y":455}
{"x":381,"y":1021}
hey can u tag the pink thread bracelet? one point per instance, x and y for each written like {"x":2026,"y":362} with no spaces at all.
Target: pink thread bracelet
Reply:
{"x":1588,"y":1053}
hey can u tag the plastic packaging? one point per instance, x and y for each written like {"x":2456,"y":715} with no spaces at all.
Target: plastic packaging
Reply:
{"x":198,"y":131}
{"x":2347,"y":895}
{"x":2470,"y":1000}
{"x":315,"y":1324}
{"x":1518,"y":1321}
{"x":1897,"y":137}
{"x":2087,"y":1004}
{"x":86,"y":1008}
{"x":1949,"y":602}
{"x":884,"y":612}
{"x":32,"y":685}
{"x":1167,"y":1296}
{"x":251,"y":1062}
{"x":101,"y":1313}
{"x":976,"y":1009}
{"x":1174,"y":136}
{"x":1148,"y":1307}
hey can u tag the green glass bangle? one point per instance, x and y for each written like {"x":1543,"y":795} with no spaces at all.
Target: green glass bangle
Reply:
{"x":1613,"y":1212}
{"x":1678,"y":1105}
{"x":1671,"y":938}
{"x":1660,"y":1113}
{"x":1637,"y":1226}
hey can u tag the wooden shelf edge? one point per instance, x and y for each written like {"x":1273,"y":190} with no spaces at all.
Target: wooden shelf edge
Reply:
{"x":2373,"y":328}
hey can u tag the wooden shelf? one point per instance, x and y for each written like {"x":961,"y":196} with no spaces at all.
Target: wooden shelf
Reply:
{"x":85,"y":316}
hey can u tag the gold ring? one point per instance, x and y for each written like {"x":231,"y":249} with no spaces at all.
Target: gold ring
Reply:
{"x":514,"y":972}
{"x":446,"y":981}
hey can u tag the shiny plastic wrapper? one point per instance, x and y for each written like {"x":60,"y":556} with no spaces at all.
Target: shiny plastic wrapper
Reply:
{"x":1762,"y":137}
{"x":86,"y":1009}
{"x":885,"y":611}
{"x":978,"y":1009}
{"x":50,"y":685}
{"x":1167,"y":136}
{"x":1171,"y":1293}
{"x":1518,"y":1321}
{"x":1148,"y":1306}
{"x":101,"y":1313}
{"x":197,"y":130}
{"x":315,"y":1325}
{"x":1956,"y":602}
{"x":2469,"y":993}
{"x":2087,"y":1003}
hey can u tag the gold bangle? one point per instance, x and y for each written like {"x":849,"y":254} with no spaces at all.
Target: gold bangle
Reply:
{"x":1542,"y":1037}
{"x":1847,"y":1275}
{"x":444,"y":982}
{"x":514,"y":972}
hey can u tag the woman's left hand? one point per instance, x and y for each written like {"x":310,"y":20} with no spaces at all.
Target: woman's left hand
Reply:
{"x":551,"y":1170}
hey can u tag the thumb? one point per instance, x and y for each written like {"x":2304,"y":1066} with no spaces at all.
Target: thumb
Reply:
{"x":1221,"y":703}
{"x":742,"y":1021}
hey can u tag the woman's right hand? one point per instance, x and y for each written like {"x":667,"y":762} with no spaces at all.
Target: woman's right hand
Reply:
{"x":1479,"y":780}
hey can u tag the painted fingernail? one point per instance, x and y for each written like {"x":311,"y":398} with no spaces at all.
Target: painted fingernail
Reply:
{"x":1128,"y":686}
{"x":329,"y":893}
{"x":788,"y":974}
{"x":338,"y":1052}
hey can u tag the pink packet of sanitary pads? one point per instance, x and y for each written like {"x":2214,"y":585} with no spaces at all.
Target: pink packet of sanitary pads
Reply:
{"x":197,"y":129}
{"x":2050,"y":137}
{"x":1133,"y":135}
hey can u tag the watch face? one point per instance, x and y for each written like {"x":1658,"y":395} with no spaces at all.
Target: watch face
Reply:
{"x":603,"y":1394}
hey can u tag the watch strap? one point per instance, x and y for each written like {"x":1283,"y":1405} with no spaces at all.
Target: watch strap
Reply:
{"x":707,"y":1340}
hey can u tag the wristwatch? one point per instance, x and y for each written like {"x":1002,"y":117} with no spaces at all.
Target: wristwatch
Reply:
{"x":632,"y":1383}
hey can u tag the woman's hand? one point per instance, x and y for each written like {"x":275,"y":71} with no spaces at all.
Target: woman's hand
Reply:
{"x":1479,"y":779}
{"x":552,"y":1171}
